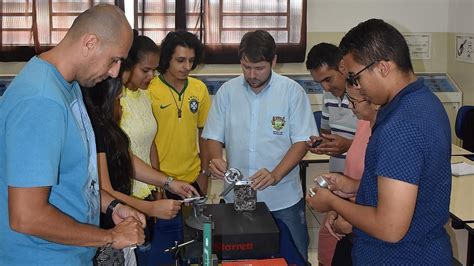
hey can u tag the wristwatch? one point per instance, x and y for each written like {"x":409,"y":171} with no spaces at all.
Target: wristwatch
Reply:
{"x":111,"y":207}
{"x":166,"y":186}
{"x":206,"y":173}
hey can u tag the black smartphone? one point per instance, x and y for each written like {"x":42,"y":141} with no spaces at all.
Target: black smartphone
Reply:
{"x":316,"y":143}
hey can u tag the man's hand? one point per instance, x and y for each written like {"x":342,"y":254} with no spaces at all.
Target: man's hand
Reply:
{"x":183,"y":189}
{"x":166,"y":208}
{"x":121,"y":212}
{"x":218,"y":167}
{"x":127,"y":233}
{"x":342,"y":185}
{"x":314,"y":142}
{"x":329,"y":224}
{"x":333,"y":145}
{"x":263,"y":179}
{"x":321,"y":200}
{"x":341,"y":226}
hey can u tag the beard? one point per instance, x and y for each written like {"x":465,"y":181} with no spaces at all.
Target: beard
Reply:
{"x":257,"y":83}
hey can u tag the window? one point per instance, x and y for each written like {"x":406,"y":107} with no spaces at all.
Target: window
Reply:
{"x":29,"y":27}
{"x":221,"y":24}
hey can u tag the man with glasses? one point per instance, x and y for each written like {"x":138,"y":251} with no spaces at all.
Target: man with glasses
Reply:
{"x":402,"y":202}
{"x":338,"y":123}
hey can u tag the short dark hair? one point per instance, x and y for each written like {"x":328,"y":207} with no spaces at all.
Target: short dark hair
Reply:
{"x":141,"y":47}
{"x":375,"y":40}
{"x":257,"y":46}
{"x":179,"y":38}
{"x":323,"y":54}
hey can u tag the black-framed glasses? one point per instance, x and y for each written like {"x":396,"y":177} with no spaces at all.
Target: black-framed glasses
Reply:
{"x":352,"y":78}
{"x":353,"y":101}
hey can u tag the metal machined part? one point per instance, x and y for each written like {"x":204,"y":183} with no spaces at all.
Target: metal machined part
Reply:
{"x":321,"y":181}
{"x":231,"y":176}
{"x":245,"y":196}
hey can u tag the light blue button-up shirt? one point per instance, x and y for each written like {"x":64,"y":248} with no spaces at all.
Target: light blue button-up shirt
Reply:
{"x":259,"y":129}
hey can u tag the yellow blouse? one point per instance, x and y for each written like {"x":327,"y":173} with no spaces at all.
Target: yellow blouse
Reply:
{"x":140,"y":125}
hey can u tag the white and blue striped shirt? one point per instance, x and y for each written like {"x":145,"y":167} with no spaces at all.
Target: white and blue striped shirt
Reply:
{"x":338,"y":118}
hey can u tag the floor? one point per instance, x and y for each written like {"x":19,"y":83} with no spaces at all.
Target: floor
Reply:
{"x":314,"y":218}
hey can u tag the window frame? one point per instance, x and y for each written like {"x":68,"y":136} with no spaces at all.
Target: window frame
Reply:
{"x":14,"y":53}
{"x":214,"y":53}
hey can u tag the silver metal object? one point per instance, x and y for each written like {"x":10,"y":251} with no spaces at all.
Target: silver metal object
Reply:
{"x":311,"y":192}
{"x":321,"y":181}
{"x":231,"y":176}
{"x":245,"y":196}
{"x":197,"y":218}
{"x":180,"y":245}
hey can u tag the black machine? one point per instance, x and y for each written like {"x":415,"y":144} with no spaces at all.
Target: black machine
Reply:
{"x":236,"y":234}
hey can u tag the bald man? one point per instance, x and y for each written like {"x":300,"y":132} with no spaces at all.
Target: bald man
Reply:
{"x":49,"y":192}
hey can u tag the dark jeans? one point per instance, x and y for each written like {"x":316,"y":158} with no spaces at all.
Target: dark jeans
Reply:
{"x":295,"y":219}
{"x":342,"y":254}
{"x":164,"y":234}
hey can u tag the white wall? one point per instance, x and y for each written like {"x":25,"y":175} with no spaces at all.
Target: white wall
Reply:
{"x":461,"y":17}
{"x":406,"y":15}
{"x":461,"y":20}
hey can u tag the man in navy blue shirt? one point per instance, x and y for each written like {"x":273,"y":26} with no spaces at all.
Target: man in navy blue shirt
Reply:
{"x":402,"y":200}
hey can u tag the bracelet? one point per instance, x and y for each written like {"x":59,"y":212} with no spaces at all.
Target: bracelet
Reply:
{"x":111,"y":207}
{"x":166,"y":186}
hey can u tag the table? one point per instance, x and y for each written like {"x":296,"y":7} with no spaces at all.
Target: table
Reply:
{"x":461,"y":206}
{"x":458,"y":151}
{"x":307,"y":159}
{"x":470,"y":244}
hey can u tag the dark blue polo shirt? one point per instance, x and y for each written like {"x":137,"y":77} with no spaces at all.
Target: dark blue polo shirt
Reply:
{"x":410,"y":142}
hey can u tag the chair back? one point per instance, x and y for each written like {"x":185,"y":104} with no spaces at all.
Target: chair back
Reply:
{"x":317,"y":118}
{"x":460,"y":117}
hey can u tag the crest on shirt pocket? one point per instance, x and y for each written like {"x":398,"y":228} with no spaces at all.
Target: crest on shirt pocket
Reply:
{"x":278,"y":124}
{"x":193,"y":104}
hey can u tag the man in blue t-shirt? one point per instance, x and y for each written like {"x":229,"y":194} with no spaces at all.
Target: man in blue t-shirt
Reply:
{"x":49,"y":191}
{"x":402,"y":201}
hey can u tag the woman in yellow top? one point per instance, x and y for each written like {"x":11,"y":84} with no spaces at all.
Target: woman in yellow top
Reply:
{"x":137,"y":116}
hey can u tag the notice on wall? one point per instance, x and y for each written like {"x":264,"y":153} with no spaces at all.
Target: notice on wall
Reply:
{"x":419,"y":45}
{"x":464,"y":48}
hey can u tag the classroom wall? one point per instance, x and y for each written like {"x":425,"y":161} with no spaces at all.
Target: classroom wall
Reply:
{"x":324,"y":25}
{"x":441,"y":18}
{"x":461,"y":21}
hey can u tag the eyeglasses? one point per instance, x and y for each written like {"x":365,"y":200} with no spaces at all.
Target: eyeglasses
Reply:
{"x":352,"y":78}
{"x":354,"y":101}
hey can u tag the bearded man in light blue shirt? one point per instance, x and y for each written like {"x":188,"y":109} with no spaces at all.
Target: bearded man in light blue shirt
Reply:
{"x":263,"y":119}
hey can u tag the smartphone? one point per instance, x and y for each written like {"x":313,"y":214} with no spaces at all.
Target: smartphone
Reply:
{"x":316,"y":143}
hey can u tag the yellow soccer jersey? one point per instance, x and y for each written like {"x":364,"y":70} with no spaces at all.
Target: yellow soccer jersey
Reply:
{"x":177,"y":137}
